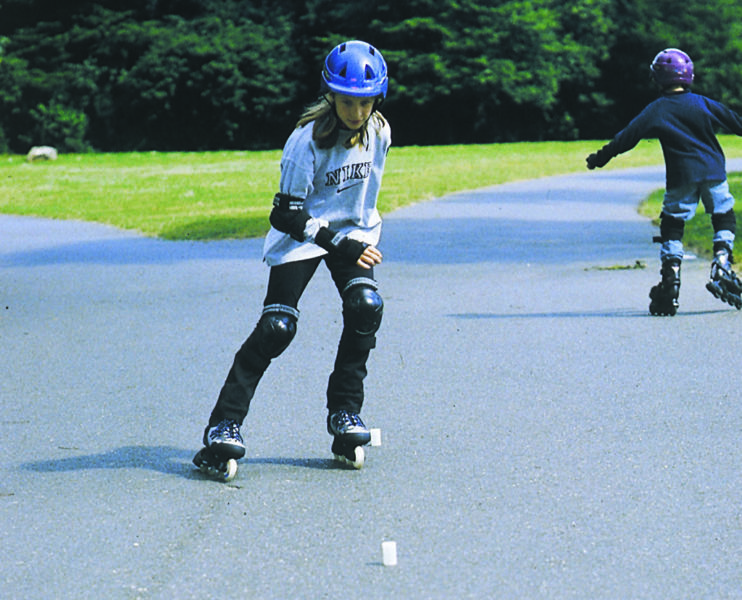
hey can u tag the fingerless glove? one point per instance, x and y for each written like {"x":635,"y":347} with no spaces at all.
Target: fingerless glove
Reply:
{"x":337,"y":244}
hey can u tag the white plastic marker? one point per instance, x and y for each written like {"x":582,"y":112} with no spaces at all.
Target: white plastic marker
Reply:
{"x":389,"y":553}
{"x":375,"y":437}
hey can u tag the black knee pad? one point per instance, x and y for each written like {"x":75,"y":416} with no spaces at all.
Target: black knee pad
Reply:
{"x":671,"y":228}
{"x":724,"y":221}
{"x":362,"y":307}
{"x":277,"y":327}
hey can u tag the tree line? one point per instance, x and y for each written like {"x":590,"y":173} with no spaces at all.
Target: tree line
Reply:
{"x":164,"y":75}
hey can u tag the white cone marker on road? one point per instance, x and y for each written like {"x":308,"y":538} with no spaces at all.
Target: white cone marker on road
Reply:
{"x":389,"y":553}
{"x":375,"y":437}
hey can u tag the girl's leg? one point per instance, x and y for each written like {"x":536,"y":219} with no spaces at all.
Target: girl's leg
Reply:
{"x":272,"y":335}
{"x":362,"y":312}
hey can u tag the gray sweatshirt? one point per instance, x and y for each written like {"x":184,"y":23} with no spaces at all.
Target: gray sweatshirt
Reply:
{"x":340,"y":186}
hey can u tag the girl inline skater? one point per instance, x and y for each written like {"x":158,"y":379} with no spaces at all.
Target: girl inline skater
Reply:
{"x":325,"y":212}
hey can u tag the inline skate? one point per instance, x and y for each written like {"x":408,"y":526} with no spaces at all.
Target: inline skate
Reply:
{"x":223,"y":446}
{"x":350,"y":435}
{"x":664,"y":295}
{"x":723,"y":282}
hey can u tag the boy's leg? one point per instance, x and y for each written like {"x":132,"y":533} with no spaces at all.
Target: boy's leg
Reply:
{"x":723,"y":282}
{"x":679,"y":206}
{"x":719,"y":202}
{"x":671,"y":235}
{"x":272,"y":335}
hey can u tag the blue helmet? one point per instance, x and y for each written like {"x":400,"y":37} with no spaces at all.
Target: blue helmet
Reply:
{"x":355,"y":69}
{"x":672,"y":67}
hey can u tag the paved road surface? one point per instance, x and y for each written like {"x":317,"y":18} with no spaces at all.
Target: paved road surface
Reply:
{"x":542,"y":436}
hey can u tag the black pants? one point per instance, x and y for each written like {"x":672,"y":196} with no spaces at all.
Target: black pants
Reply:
{"x":286,"y":284}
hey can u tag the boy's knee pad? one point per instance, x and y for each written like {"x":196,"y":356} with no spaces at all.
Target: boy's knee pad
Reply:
{"x":276,"y":327}
{"x":362,"y":307}
{"x":724,"y":221}
{"x":671,"y":228}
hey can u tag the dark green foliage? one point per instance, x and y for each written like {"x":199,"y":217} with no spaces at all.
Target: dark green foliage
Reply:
{"x":211,"y":74}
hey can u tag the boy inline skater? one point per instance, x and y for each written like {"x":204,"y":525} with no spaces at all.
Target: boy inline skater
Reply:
{"x":695,"y":169}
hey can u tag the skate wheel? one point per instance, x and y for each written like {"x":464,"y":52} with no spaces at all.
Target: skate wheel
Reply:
{"x":230,"y":471}
{"x":359,"y":458}
{"x":219,"y":469}
{"x":662,"y":312}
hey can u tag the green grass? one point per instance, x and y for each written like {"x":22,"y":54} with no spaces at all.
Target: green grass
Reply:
{"x":218,"y":195}
{"x":172,"y":195}
{"x":698,"y":231}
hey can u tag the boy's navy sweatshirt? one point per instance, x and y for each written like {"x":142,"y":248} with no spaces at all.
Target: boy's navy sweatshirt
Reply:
{"x":685,"y":124}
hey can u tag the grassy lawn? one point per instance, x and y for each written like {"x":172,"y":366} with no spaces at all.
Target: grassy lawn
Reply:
{"x":218,"y":195}
{"x":698,"y":231}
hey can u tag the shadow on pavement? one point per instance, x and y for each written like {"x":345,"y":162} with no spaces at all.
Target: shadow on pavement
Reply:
{"x":163,"y":459}
{"x":582,"y":314}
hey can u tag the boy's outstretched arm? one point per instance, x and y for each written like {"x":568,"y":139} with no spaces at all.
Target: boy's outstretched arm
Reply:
{"x":597,"y":159}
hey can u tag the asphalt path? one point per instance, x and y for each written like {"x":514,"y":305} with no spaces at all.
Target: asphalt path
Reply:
{"x":542,"y":435}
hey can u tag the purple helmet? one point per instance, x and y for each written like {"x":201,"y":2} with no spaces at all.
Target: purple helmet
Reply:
{"x":672,"y":67}
{"x":355,"y":69}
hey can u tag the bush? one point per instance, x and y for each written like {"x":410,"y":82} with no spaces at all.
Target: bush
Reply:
{"x":58,"y":126}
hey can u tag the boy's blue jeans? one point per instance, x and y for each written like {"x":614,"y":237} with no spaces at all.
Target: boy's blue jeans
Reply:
{"x":682,"y":203}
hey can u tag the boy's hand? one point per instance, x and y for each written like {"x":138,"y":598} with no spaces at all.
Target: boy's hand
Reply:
{"x":594,"y":160}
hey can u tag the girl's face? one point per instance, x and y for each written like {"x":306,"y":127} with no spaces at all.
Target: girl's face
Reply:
{"x":353,"y":111}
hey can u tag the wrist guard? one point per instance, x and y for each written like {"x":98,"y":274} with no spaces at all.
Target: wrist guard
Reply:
{"x":288,"y":215}
{"x":337,"y":244}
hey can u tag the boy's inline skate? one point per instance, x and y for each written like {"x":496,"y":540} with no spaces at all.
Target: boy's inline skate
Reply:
{"x":664,"y":295}
{"x":723,"y":282}
{"x":223,"y":446}
{"x":350,"y":435}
